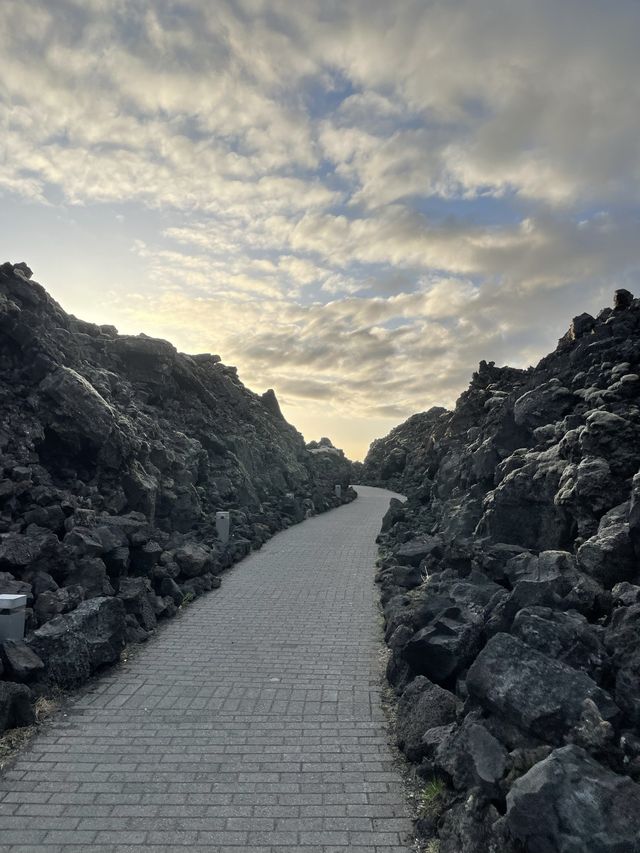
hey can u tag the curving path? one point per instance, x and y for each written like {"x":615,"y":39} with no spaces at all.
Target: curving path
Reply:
{"x":252,"y":722}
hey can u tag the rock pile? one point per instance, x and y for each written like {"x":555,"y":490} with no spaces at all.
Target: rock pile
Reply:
{"x":115,"y":454}
{"x":510,"y":582}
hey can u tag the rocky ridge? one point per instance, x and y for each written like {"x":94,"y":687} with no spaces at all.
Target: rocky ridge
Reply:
{"x":510,"y":582}
{"x":116,"y":451}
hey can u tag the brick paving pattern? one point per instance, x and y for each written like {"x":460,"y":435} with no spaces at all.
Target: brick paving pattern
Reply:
{"x":252,"y":722}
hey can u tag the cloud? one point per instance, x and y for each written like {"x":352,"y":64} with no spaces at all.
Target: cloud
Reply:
{"x":507,"y":96}
{"x":355,"y":202}
{"x":308,"y":389}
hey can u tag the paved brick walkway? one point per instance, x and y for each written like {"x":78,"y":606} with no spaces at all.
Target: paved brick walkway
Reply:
{"x":252,"y":722}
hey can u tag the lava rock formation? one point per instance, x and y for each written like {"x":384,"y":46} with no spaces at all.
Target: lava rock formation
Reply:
{"x":510,"y":582}
{"x":116,"y":451}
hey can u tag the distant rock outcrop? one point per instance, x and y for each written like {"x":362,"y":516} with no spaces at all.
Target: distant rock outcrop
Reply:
{"x":511,"y":580}
{"x":116,"y":451}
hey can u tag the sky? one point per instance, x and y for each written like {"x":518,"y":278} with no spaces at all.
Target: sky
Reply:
{"x":353,"y":202}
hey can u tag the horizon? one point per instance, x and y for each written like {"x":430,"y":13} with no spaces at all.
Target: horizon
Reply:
{"x":352,"y":203}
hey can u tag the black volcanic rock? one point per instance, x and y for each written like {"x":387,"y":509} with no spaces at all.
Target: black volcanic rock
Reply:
{"x":533,"y":691}
{"x":565,"y":636}
{"x":531,"y":487}
{"x":622,"y":640}
{"x":422,"y":706}
{"x":622,"y":300}
{"x":568,"y":802}
{"x":136,"y":595}
{"x":608,"y":555}
{"x":412,"y":553}
{"x":16,"y":706}
{"x":116,"y":452}
{"x":20,"y":662}
{"x":448,"y":644}
{"x":472,"y":757}
{"x":75,"y":645}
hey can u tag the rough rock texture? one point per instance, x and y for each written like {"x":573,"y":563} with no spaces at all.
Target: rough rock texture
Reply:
{"x":472,"y":757}
{"x":116,"y":451}
{"x":423,"y":706}
{"x":16,"y":706}
{"x":76,"y":645}
{"x":511,"y":579}
{"x":569,"y":802}
{"x":536,"y":693}
{"x":20,"y":662}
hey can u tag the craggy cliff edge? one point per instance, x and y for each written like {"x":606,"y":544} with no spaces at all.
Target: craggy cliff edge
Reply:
{"x":511,"y":590}
{"x":115,"y":454}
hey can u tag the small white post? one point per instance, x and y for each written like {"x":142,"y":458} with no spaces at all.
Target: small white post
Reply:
{"x":222,"y":526}
{"x":338,"y":491}
{"x":12,"y":616}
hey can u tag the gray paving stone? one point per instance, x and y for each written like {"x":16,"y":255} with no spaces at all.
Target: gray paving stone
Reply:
{"x":251,"y":722}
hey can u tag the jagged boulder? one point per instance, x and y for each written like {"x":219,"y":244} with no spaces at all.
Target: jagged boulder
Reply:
{"x":581,"y":325}
{"x":20,"y":662}
{"x":412,"y":553}
{"x":51,"y":603}
{"x":78,"y":411}
{"x":84,"y":541}
{"x":10,"y":586}
{"x":447,"y":645}
{"x":521,"y":510}
{"x":625,"y":594}
{"x":634,"y":514}
{"x":394,"y":462}
{"x":544,"y":567}
{"x":546,"y":404}
{"x":533,"y":691}
{"x":135,"y":633}
{"x":20,"y":551}
{"x":569,"y":803}
{"x":422,"y":706}
{"x":622,"y":639}
{"x":608,"y":556}
{"x":135,"y":594}
{"x":141,"y":490}
{"x":587,"y":489}
{"x":448,"y":616}
{"x":564,"y":636}
{"x":16,"y":706}
{"x":550,"y":578}
{"x":403,"y":577}
{"x":613,"y":437}
{"x":75,"y":645}
{"x":471,"y":827}
{"x":471,"y":757}
{"x":193,"y":559}
{"x":90,"y":574}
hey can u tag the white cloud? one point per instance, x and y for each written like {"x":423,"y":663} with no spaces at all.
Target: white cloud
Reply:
{"x":357,"y":201}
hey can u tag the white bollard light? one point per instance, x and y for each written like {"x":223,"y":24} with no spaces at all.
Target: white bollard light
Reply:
{"x":338,"y":491}
{"x":12,"y":617}
{"x":222,"y":526}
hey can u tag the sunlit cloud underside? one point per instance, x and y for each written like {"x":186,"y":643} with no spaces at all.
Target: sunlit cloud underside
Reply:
{"x":353,"y":202}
